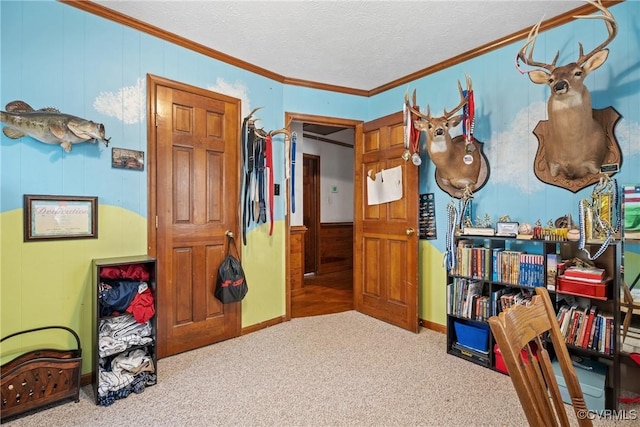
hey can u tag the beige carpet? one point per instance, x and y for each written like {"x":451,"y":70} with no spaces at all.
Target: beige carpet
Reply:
{"x":344,"y":369}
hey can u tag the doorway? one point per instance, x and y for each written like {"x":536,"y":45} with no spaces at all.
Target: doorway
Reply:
{"x":325,"y":210}
{"x":311,"y":211}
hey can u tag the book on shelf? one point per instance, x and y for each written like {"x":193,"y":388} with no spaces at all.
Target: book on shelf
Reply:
{"x":584,"y":279}
{"x":584,"y":273}
{"x":465,"y":298}
{"x":587,"y":332}
{"x":586,"y":328}
{"x":608,"y":334}
{"x":495,"y":252}
{"x":593,"y":334}
{"x":552,"y":271}
{"x":531,"y":272}
{"x":575,"y":320}
{"x":567,"y":319}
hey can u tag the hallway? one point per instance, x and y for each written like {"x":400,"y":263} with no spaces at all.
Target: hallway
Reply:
{"x":325,"y":294}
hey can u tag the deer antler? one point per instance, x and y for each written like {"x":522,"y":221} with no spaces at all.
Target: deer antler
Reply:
{"x":427,"y":117}
{"x":463,"y":101}
{"x":526,"y":52}
{"x":284,"y":131}
{"x":529,"y":45}
{"x":612,"y":30}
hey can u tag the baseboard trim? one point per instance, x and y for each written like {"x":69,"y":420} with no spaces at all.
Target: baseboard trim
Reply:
{"x":262,"y":325}
{"x":86,"y":379}
{"x":427,"y":324}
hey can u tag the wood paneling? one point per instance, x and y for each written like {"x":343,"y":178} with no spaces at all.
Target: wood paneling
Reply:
{"x":335,"y":247}
{"x":296,"y":258}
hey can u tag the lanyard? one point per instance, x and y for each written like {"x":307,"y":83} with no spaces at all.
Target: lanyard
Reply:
{"x":261,"y":209}
{"x":293,"y":172}
{"x":247,"y":165}
{"x":268,"y":156}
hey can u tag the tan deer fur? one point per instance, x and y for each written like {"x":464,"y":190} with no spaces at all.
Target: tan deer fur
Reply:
{"x":575,"y":143}
{"x":445,"y":154}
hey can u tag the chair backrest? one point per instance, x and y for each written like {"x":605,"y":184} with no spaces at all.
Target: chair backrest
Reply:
{"x":530,"y":366}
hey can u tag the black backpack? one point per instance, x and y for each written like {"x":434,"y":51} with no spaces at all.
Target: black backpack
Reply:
{"x":231,"y":285}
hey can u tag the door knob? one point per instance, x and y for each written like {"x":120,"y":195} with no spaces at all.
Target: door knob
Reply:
{"x":410,"y":231}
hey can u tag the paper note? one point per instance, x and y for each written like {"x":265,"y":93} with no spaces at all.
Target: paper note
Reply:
{"x":386,"y":187}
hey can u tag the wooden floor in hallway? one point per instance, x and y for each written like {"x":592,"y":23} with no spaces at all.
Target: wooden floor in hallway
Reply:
{"x":324,"y":294}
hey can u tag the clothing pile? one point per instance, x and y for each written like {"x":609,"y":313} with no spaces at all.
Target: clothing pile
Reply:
{"x":127,"y":373}
{"x":126,"y":307}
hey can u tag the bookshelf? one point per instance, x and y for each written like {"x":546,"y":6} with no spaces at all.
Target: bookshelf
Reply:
{"x":493,"y":272}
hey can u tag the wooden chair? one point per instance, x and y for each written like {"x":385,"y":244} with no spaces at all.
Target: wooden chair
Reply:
{"x":532,"y":375}
{"x":628,"y":305}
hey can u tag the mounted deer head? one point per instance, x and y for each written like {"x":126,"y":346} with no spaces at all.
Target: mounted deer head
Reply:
{"x":575,"y":143}
{"x":457,"y":164}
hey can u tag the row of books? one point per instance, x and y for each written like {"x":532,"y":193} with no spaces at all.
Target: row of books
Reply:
{"x":473,"y":261}
{"x":587,"y":328}
{"x":467,"y":298}
{"x":499,"y":265}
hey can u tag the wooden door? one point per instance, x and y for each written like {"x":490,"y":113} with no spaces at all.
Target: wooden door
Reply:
{"x":194,"y":198}
{"x":386,"y":238}
{"x":311,"y":210}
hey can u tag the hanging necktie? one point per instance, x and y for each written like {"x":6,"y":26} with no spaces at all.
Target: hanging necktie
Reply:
{"x":293,"y":172}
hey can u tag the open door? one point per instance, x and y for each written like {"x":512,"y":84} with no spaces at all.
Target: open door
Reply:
{"x":386,"y":238}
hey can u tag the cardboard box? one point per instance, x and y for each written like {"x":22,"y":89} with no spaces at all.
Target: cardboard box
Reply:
{"x":592,"y":382}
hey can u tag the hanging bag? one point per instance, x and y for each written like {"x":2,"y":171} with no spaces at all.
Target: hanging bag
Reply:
{"x":231,"y":285}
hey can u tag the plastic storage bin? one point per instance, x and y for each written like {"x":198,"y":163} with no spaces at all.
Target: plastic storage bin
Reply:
{"x":592,"y":382}
{"x":473,"y":336}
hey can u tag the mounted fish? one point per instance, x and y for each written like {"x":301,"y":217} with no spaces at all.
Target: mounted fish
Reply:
{"x":49,"y":125}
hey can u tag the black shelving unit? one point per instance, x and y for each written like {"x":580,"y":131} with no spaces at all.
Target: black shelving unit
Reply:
{"x":136,"y":270}
{"x":474,"y":267}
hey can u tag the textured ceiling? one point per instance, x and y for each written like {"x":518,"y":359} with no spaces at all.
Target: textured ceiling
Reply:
{"x":355,"y":44}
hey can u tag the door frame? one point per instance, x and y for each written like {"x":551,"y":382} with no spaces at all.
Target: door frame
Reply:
{"x":319,"y":120}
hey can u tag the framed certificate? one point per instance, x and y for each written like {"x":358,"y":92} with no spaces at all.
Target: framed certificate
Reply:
{"x":507,"y":229}
{"x":60,"y":217}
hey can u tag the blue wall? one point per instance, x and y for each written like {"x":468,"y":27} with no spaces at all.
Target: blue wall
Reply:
{"x":54,"y":55}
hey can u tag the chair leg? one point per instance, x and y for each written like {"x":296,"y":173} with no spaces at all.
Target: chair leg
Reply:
{"x":626,"y":322}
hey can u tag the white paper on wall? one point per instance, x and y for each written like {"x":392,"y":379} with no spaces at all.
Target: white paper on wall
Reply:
{"x":386,"y":187}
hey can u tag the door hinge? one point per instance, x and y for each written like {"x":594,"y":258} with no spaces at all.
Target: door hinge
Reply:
{"x":156,"y":119}
{"x":156,"y":221}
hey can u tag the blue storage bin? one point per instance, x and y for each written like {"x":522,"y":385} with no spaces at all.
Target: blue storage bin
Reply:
{"x":592,"y":381}
{"x":473,"y":336}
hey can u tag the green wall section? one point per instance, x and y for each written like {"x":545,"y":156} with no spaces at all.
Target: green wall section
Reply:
{"x":47,"y":283}
{"x":433,"y":284}
{"x":632,"y":265}
{"x":264,"y":268}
